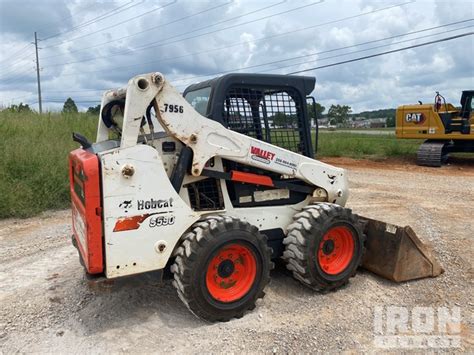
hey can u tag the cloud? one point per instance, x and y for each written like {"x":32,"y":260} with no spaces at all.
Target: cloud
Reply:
{"x":22,"y":18}
{"x":370,"y":84}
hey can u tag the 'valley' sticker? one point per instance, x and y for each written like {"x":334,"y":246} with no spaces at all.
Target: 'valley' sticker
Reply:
{"x":261,"y":155}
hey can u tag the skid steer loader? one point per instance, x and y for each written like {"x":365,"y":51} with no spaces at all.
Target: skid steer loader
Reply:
{"x":214,"y":186}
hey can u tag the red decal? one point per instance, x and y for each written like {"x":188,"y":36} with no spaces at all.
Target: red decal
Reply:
{"x":251,"y":178}
{"x":130,"y":223}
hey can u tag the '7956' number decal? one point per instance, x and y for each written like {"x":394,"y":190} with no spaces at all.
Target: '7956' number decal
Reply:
{"x":173,"y":108}
{"x":159,"y":221}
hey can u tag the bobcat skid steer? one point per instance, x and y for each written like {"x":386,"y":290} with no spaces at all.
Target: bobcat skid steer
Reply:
{"x":214,"y":186}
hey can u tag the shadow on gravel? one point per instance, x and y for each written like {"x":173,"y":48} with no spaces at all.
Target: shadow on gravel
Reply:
{"x":142,"y":300}
{"x":133,"y":301}
{"x":461,"y":161}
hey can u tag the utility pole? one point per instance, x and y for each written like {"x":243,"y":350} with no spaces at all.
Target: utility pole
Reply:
{"x":38,"y":76}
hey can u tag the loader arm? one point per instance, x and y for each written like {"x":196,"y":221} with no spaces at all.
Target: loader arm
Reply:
{"x":210,"y":139}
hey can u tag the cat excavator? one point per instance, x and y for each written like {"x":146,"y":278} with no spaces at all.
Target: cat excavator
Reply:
{"x":445,"y":128}
{"x":213,"y":186}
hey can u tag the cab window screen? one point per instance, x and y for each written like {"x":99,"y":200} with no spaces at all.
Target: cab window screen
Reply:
{"x":270,"y":114}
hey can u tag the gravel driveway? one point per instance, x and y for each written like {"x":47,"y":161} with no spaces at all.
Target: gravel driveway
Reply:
{"x":46,"y":305}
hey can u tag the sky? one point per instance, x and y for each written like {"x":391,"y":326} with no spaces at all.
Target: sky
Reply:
{"x":89,"y":46}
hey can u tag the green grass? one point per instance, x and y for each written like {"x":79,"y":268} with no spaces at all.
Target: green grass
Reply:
{"x":33,"y":160}
{"x":34,"y":150}
{"x":357,"y":145}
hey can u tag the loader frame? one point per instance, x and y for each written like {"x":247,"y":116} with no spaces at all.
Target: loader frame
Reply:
{"x":151,"y":194}
{"x":131,"y":241}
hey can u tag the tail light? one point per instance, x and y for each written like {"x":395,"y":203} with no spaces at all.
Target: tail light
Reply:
{"x":84,"y":178}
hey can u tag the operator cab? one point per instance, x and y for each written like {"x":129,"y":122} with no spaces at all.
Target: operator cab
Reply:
{"x":467,"y":104}
{"x":271,"y":108}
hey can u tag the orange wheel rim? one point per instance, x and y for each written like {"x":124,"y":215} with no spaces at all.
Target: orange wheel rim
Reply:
{"x":336,"y":250}
{"x":231,"y":273}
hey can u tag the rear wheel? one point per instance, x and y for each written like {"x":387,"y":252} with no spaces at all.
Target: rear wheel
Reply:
{"x":221,"y":268}
{"x":324,"y":246}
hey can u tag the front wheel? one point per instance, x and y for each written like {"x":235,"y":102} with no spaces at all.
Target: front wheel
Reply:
{"x":221,"y":268}
{"x":324,"y":246}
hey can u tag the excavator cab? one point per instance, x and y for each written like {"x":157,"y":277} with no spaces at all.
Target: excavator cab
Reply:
{"x":467,"y":104}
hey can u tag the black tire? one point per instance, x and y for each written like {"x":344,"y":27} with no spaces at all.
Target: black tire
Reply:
{"x":305,"y":239}
{"x":200,"y":247}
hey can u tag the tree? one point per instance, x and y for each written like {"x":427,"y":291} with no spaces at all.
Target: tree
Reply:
{"x":390,"y":121}
{"x":319,"y":111}
{"x":94,"y":110}
{"x":69,"y":106}
{"x":20,"y":108}
{"x":283,"y":120}
{"x":339,"y":115}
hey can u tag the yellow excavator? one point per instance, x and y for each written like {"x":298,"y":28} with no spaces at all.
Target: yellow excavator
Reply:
{"x":445,"y":128}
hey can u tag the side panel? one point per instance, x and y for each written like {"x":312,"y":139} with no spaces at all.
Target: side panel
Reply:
{"x":84,"y":177}
{"x":210,"y":139}
{"x":143,"y":215}
{"x":414,"y":121}
{"x":422,"y":122}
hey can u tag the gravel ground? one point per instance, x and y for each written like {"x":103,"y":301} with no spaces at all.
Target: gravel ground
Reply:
{"x":46,"y":305}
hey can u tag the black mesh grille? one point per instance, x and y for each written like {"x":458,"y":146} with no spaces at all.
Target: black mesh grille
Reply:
{"x":205,"y":195}
{"x":274,"y":116}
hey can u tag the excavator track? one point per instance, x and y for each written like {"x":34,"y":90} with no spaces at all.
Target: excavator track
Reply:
{"x":432,"y":153}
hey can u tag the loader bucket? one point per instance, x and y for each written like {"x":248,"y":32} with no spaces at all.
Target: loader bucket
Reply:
{"x":396,"y":253}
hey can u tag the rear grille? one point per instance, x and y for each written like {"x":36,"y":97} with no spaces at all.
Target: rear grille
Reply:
{"x":205,"y":195}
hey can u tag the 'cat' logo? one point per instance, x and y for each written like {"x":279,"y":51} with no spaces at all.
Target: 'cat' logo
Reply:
{"x":417,"y":118}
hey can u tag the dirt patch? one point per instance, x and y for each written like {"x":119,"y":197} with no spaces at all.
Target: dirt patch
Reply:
{"x":48,"y":307}
{"x":457,"y":166}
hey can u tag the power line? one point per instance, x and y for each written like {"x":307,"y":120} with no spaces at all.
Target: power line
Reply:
{"x":333,"y":50}
{"x":368,"y":49}
{"x":21,"y":64}
{"x":72,"y":16}
{"x":324,"y":66}
{"x":87,"y":22}
{"x":153,"y":45}
{"x":383,"y":53}
{"x":329,"y":51}
{"x":16,"y":53}
{"x":368,"y":56}
{"x":136,"y":33}
{"x":115,"y":25}
{"x":217,"y":23}
{"x":115,"y":11}
{"x":265,"y":38}
{"x":18,"y":75}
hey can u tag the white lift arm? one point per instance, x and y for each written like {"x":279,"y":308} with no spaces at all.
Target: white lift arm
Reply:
{"x":208,"y":138}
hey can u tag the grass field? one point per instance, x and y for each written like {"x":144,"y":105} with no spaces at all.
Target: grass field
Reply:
{"x":372,"y":146}
{"x":33,"y":160}
{"x":34,"y":150}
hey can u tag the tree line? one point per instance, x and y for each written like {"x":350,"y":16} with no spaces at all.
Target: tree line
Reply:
{"x":337,"y":115}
